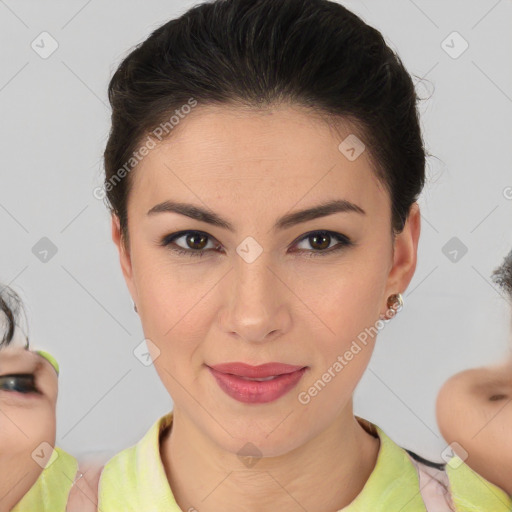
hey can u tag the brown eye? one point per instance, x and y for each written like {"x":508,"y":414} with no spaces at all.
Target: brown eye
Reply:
{"x":321,"y":243}
{"x":196,"y":241}
{"x":320,"y":240}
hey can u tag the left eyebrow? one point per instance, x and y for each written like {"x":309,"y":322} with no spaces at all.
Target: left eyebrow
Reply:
{"x":285,"y":222}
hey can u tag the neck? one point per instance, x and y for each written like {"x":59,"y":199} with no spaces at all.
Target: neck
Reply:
{"x":324,"y":474}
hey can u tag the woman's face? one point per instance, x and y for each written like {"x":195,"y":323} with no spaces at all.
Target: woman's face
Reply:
{"x":261,"y":293}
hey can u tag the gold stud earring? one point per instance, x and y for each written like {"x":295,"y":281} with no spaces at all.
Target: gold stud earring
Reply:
{"x":395,"y":301}
{"x":394,"y":304}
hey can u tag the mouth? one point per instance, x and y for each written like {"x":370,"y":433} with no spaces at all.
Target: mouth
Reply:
{"x":256,"y":384}
{"x":262,"y":371}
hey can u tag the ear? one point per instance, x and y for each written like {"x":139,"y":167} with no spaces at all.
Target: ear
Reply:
{"x":124,"y":257}
{"x":404,"y":255}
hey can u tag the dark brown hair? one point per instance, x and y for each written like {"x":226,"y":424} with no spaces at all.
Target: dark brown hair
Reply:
{"x":502,"y":275}
{"x":10,"y":309}
{"x":311,"y":53}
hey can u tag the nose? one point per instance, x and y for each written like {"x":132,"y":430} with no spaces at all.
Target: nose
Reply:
{"x":257,"y":308}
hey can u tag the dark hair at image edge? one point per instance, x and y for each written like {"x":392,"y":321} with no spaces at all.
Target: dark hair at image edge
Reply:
{"x":502,"y":275}
{"x":258,"y":53}
{"x":10,"y":309}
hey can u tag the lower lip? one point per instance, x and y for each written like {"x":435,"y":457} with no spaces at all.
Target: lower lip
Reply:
{"x":257,"y":392}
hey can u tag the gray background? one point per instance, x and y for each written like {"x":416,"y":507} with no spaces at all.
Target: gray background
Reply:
{"x":54,"y":124}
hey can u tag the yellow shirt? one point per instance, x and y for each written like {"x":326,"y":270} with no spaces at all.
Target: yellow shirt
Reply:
{"x":134,"y":480}
{"x":50,"y":491}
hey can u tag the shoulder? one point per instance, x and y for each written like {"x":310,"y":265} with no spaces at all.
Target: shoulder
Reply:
{"x":454,"y":486}
{"x":50,"y":491}
{"x":435,"y":487}
{"x":472,"y":492}
{"x":135,"y":477}
{"x":123,"y":467}
{"x":393,"y":484}
{"x":120,"y":471}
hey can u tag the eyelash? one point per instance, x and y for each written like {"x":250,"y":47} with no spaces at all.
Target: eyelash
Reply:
{"x":344,"y":242}
{"x":20,"y":383}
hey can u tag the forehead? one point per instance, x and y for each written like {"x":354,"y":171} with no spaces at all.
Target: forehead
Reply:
{"x":284,"y":155}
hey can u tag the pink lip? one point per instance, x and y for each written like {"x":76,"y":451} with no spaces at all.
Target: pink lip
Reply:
{"x":229,"y":377}
{"x":261,"y":371}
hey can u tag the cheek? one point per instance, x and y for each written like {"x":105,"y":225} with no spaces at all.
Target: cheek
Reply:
{"x":175,"y":317}
{"x":170,"y":294}
{"x":177,"y":312}
{"x":458,"y":411}
{"x":481,"y":427}
{"x":341,"y":344}
{"x":494,"y":428}
{"x":35,"y":425}
{"x":350,"y":307}
{"x":503,"y":438}
{"x":489,"y":444}
{"x":28,"y":428}
{"x":176,"y":321}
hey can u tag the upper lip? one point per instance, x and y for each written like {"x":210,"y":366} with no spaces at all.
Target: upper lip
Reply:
{"x":255,"y":372}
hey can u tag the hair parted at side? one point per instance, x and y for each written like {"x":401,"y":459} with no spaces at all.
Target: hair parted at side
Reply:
{"x":255,"y":53}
